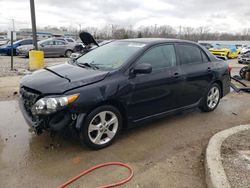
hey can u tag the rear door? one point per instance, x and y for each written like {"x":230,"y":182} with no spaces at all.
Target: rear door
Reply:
{"x":197,"y":71}
{"x":47,"y":47}
{"x":60,"y":47}
{"x":156,"y":92}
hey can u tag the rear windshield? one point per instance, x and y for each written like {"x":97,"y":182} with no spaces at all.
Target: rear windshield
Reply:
{"x":111,"y":56}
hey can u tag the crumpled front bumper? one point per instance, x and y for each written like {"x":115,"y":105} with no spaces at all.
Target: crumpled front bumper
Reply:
{"x":54,"y":122}
{"x":34,"y":125}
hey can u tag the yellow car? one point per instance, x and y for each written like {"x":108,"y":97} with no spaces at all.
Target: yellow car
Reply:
{"x":229,"y":51}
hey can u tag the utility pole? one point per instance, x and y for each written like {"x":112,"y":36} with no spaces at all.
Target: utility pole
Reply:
{"x":33,"y":22}
{"x":12,"y":51}
{"x":13,"y":24}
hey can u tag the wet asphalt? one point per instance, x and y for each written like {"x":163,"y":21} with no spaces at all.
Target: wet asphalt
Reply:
{"x":164,"y":153}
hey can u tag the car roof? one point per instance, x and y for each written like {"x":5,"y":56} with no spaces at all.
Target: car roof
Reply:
{"x":151,"y":41}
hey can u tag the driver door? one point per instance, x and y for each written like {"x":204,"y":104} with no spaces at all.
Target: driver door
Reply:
{"x":157,"y":92}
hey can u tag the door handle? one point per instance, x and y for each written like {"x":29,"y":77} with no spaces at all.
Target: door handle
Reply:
{"x":176,"y":75}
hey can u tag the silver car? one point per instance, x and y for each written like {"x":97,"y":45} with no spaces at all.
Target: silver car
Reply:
{"x":50,"y":47}
{"x":244,"y":58}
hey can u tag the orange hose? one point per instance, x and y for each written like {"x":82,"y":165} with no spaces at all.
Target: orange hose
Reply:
{"x":123,"y":181}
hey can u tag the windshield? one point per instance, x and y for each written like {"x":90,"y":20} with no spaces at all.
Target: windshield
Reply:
{"x":111,"y":56}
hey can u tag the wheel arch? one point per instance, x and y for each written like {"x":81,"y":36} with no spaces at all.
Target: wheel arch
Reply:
{"x":67,"y":51}
{"x":114,"y":103}
{"x":221,"y":86}
{"x":120,"y":107}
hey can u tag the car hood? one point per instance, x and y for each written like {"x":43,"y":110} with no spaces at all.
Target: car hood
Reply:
{"x":61,"y":78}
{"x":87,"y":38}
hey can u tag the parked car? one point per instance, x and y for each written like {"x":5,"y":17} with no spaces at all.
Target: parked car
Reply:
{"x":245,"y":49}
{"x":120,"y":85}
{"x":228,"y":51}
{"x":3,"y":40}
{"x":6,"y":49}
{"x":51,"y":47}
{"x":244,"y":58}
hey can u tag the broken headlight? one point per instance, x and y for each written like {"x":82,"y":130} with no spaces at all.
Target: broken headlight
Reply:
{"x":50,"y":105}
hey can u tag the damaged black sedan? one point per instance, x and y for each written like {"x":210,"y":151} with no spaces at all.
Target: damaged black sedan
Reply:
{"x":120,"y":85}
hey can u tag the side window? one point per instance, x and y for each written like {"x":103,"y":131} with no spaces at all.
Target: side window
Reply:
{"x":29,"y":42}
{"x":60,"y":43}
{"x":189,"y":54}
{"x":204,"y":57}
{"x":47,"y":43}
{"x":160,"y":57}
{"x":69,"y":40}
{"x":25,"y":42}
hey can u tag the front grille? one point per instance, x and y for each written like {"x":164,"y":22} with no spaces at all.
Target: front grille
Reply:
{"x":29,"y":98}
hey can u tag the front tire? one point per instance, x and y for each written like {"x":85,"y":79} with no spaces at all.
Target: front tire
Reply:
{"x":211,"y":99}
{"x":101,"y":127}
{"x":68,"y":53}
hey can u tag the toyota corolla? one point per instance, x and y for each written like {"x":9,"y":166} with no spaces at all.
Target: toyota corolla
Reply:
{"x":120,"y":85}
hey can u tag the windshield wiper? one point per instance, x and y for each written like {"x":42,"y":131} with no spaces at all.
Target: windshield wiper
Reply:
{"x":91,"y":65}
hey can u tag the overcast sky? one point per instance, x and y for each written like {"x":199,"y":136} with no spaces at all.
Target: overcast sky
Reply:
{"x":219,"y":15}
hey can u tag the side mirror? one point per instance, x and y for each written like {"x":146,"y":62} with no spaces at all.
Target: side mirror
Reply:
{"x":42,"y":45}
{"x":143,"y":68}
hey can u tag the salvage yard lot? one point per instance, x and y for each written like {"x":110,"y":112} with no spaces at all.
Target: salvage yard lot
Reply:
{"x":166,"y":152}
{"x":21,"y":63}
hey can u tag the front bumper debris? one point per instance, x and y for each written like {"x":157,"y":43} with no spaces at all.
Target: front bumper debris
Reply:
{"x":53,"y":122}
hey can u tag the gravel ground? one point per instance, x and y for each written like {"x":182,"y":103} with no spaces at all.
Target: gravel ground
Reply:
{"x":236,"y":159}
{"x":21,"y":64}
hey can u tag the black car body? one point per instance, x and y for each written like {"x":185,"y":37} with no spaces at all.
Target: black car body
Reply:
{"x":135,"y":92}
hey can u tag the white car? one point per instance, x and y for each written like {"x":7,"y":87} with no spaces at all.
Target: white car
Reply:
{"x":244,"y":58}
{"x":245,"y":49}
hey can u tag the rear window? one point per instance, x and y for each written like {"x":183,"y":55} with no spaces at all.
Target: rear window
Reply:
{"x":189,"y":54}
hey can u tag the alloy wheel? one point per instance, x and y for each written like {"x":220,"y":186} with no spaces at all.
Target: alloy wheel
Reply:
{"x":103,"y":127}
{"x":213,"y":97}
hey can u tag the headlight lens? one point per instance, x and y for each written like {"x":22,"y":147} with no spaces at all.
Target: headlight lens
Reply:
{"x":50,"y":105}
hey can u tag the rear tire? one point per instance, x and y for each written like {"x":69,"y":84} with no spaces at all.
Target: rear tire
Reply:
{"x":101,"y":127}
{"x":211,"y":99}
{"x":243,"y":71}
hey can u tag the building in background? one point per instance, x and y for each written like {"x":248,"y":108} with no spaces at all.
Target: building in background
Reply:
{"x":240,"y":43}
{"x":41,"y":34}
